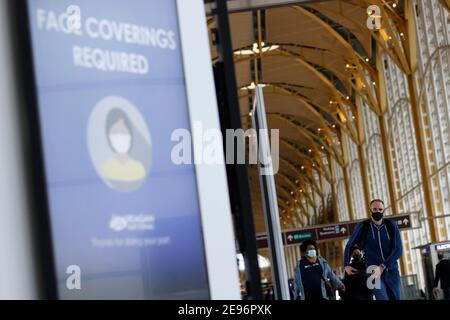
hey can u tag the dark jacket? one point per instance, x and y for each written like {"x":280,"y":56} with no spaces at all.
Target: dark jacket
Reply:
{"x":443,"y":274}
{"x":356,"y":284}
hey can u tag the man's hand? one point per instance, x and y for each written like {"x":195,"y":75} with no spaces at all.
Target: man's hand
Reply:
{"x":378,"y":271}
{"x":342,"y":288}
{"x":435,"y":290}
{"x":350,"y":270}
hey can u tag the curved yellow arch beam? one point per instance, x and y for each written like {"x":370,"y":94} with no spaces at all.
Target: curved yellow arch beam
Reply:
{"x":382,"y":41}
{"x":304,"y":176}
{"x":317,"y":163}
{"x":296,"y":196}
{"x":327,"y":27}
{"x":313,"y":136}
{"x":290,"y":93}
{"x":301,"y":176}
{"x":306,"y":103}
{"x":349,"y":130}
{"x":313,"y":143}
{"x":337,"y":94}
{"x":320,"y":167}
{"x":397,"y":56}
{"x":344,"y":78}
{"x":288,"y":208}
{"x":303,"y":183}
{"x":276,"y":53}
{"x":303,"y":186}
{"x":286,"y":194}
{"x":302,"y":210}
{"x":282,"y":202}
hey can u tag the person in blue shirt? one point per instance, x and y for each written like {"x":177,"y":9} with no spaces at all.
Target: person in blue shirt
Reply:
{"x":381,"y":241}
{"x":312,"y":274}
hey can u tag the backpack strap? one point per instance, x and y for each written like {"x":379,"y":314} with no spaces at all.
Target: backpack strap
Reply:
{"x":362,"y":237}
{"x":391,"y":231}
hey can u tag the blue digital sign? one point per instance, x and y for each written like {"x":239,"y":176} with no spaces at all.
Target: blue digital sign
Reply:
{"x":125,"y":219}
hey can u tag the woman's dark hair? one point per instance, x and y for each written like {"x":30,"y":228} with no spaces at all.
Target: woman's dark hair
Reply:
{"x":115,"y":115}
{"x":307,"y":243}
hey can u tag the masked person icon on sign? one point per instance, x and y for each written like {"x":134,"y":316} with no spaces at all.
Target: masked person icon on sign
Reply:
{"x":122,"y":167}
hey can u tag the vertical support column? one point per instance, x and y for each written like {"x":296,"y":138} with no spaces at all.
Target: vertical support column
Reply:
{"x":383,"y":105}
{"x":410,"y":48}
{"x":324,"y":253}
{"x":346,"y":178}
{"x":339,"y":243}
{"x":347,"y":194}
{"x":361,"y":157}
{"x":364,"y":177}
{"x":333,"y":190}
{"x":387,"y":164}
{"x":324,"y":204}
{"x":389,"y":176}
{"x":258,"y":38}
{"x":421,"y":150}
{"x":316,"y":209}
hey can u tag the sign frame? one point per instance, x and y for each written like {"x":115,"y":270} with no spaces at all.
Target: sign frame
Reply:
{"x":212,"y":188}
{"x":217,"y":225}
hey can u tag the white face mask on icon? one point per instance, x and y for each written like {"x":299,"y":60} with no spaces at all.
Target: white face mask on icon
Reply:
{"x":120,"y":142}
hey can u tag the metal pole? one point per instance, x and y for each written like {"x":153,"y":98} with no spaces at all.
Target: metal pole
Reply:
{"x":237,"y":173}
{"x":269,"y":197}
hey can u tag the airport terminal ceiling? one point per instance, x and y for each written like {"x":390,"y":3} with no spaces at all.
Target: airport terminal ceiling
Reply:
{"x":320,"y":65}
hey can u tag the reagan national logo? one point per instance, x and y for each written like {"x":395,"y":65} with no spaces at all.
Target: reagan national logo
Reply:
{"x":130,"y":222}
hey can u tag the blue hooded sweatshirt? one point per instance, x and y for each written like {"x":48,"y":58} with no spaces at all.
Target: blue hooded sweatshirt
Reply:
{"x":378,"y":247}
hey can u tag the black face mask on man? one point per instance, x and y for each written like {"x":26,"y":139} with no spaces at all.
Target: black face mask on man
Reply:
{"x":377,"y":216}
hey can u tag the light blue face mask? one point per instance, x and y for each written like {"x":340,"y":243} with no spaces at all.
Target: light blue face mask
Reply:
{"x":312,"y":253}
